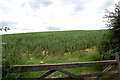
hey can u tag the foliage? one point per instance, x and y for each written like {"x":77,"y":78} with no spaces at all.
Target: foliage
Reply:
{"x":55,"y":59}
{"x":4,"y":28}
{"x":9,"y":59}
{"x":40,"y":45}
{"x":110,"y":43}
{"x":50,"y":43}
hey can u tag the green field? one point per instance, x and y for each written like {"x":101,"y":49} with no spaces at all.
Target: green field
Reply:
{"x":51,"y":48}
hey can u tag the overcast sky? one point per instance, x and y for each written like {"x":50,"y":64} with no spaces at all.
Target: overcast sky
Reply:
{"x":53,"y":15}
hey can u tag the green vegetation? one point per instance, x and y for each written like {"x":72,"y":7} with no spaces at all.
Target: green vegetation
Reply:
{"x":110,"y":43}
{"x":50,"y":48}
{"x":67,"y":58}
{"x":51,"y":42}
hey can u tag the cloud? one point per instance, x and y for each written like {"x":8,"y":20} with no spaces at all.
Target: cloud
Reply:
{"x":37,"y":4}
{"x":79,"y":6}
{"x":3,"y":9}
{"x":106,"y":4}
{"x":7,"y":23}
{"x":53,"y":28}
{"x":44,"y":15}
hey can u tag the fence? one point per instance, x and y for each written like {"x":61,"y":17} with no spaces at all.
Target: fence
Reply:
{"x":51,"y":68}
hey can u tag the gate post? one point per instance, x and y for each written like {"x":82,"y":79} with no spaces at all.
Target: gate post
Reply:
{"x":117,"y":57}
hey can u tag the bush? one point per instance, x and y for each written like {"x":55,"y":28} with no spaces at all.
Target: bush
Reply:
{"x":110,"y":42}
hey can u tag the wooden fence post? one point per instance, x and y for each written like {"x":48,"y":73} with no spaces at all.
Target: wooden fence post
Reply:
{"x":118,"y":61}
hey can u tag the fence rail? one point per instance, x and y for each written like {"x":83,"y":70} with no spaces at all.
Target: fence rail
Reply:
{"x":44,"y":67}
{"x":51,"y":68}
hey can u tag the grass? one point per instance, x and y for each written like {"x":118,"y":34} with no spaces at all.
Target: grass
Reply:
{"x":68,"y":58}
{"x":50,"y":48}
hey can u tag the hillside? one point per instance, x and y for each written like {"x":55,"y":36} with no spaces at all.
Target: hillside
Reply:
{"x":50,"y":48}
{"x":52,"y":42}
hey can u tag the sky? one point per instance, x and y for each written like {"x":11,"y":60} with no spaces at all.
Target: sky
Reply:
{"x":53,"y":15}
